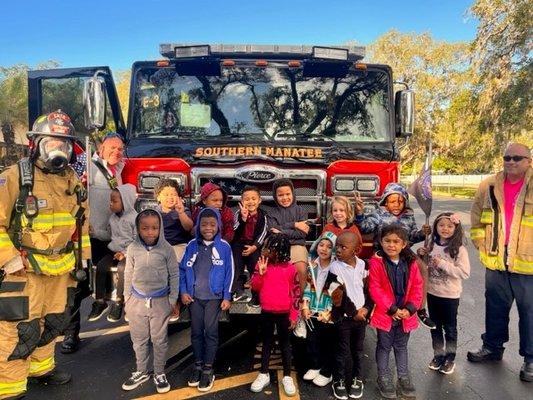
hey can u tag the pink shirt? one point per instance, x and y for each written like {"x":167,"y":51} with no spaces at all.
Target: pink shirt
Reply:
{"x":510,"y":193}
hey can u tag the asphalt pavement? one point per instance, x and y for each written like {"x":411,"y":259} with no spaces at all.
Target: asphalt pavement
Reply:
{"x":106,"y":358}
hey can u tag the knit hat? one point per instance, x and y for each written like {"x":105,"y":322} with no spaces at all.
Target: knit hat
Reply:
{"x":209,"y":188}
{"x":325,"y":235}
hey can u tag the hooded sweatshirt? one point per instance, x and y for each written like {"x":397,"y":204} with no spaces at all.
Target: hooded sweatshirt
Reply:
{"x":226,"y":214}
{"x":123,"y":229}
{"x":220,"y":264}
{"x":372,"y":223}
{"x":99,"y":192}
{"x":151,"y":270}
{"x":283,"y":218}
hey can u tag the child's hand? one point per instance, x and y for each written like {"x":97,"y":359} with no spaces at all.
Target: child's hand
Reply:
{"x":359,"y":205}
{"x":426,"y":229}
{"x":306,"y":314}
{"x":244,"y":212}
{"x":262,"y":265}
{"x":422,"y":251}
{"x":249,"y":250}
{"x":361,"y":314}
{"x":402,"y":314}
{"x":274,"y":230}
{"x":186,"y":299}
{"x":225,"y":305}
{"x":302,"y":226}
{"x":292,"y":325}
{"x":119,"y":256}
{"x":179,"y":206}
{"x":397,"y":315}
{"x":175,"y":311}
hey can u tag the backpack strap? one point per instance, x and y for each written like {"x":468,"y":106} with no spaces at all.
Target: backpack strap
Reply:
{"x":111,"y":180}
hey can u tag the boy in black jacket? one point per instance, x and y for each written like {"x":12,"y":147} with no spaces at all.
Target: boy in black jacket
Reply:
{"x":250,"y":232}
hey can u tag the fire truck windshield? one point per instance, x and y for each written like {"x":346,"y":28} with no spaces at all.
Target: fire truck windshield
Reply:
{"x":273,"y":103}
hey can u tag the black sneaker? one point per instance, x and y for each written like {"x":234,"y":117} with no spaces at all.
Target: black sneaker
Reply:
{"x":436,"y":363}
{"x":386,"y":387}
{"x":254,"y":301}
{"x":339,"y":390}
{"x":424,"y":319}
{"x":98,"y":309}
{"x":135,"y":380}
{"x":115,"y":313}
{"x":196,"y":374}
{"x":207,"y":380}
{"x":447,"y":367}
{"x":406,"y":387}
{"x":483,"y":355}
{"x":356,"y":390}
{"x":241,"y":297}
{"x":161,"y":383}
{"x":71,"y":343}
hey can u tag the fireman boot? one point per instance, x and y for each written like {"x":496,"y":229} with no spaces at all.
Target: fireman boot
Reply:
{"x":54,"y":377}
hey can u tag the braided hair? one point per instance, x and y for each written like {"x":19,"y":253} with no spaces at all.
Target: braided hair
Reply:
{"x":278,"y":247}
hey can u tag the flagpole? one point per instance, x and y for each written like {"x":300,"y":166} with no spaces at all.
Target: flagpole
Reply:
{"x":429,"y":163}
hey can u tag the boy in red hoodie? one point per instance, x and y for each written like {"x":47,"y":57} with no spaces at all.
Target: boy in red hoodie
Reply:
{"x":276,"y":281}
{"x":212,"y":195}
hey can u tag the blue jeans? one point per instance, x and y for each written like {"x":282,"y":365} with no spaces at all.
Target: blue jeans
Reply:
{"x":204,"y":329}
{"x":502,"y":288}
{"x":395,"y":338}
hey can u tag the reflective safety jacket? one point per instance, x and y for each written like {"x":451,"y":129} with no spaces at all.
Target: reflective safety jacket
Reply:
{"x":488,"y":222}
{"x":53,"y":228}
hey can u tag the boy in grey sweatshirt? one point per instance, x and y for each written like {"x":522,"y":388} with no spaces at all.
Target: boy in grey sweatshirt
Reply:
{"x":151,"y":292}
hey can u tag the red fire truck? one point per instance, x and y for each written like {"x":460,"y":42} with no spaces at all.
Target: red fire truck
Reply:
{"x":245,"y":114}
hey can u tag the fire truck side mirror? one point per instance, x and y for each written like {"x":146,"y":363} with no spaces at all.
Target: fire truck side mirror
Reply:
{"x":94,"y":103}
{"x":405,"y":113}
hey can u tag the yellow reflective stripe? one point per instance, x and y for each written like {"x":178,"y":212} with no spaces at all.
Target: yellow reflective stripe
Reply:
{"x":49,"y":221}
{"x":39,"y":367}
{"x":527,"y":220}
{"x":13,"y":388}
{"x":523,"y":266}
{"x":491,"y":262}
{"x":486,"y":216}
{"x":477,"y":233}
{"x":85,"y":241}
{"x":58,"y":266}
{"x":5,"y":241}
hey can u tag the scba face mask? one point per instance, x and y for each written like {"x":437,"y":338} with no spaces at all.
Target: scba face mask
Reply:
{"x":55,"y":153}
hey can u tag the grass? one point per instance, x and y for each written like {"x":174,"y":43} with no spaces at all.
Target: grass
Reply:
{"x":463,"y":192}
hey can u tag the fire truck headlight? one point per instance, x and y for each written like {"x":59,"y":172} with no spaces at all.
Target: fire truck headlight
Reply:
{"x":344,"y":185}
{"x":367,"y":185}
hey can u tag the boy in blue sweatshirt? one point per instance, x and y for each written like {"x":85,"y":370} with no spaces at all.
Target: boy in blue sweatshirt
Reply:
{"x":206,"y":277}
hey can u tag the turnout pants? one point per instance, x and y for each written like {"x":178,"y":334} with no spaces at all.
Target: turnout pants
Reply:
{"x":31,"y":316}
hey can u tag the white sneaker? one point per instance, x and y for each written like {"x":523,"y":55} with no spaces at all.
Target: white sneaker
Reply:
{"x":288,"y":386}
{"x":311,"y":374}
{"x":261,"y":382}
{"x":321,"y":380}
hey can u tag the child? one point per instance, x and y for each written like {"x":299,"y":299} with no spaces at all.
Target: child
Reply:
{"x":290,"y":219}
{"x":341,"y":217}
{"x":250,"y":232}
{"x":123,"y":232}
{"x":276,"y":280}
{"x":316,"y":310}
{"x":177,"y":220}
{"x":448,"y":266}
{"x":212,"y":195}
{"x":206,"y":276}
{"x":394,"y":208}
{"x":351,"y":321}
{"x":396,"y":287}
{"x":151,"y":292}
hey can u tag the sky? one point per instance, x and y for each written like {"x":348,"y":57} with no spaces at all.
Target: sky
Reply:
{"x":118,"y":33}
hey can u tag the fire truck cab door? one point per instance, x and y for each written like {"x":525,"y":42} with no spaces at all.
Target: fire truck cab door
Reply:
{"x":62,"y":88}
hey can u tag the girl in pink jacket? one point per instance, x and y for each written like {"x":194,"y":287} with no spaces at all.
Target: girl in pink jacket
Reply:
{"x":276,"y":280}
{"x":396,"y":286}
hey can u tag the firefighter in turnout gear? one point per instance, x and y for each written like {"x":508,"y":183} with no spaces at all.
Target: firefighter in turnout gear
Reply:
{"x":42,"y":244}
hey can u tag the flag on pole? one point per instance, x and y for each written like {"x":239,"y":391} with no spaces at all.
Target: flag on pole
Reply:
{"x":421,"y":187}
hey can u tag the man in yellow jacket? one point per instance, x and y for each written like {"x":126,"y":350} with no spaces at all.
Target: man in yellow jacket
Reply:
{"x":41,"y":201}
{"x":502,"y":231}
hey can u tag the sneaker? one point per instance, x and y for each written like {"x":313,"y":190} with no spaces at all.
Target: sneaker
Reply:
{"x":322,"y":380}
{"x":447,"y":367}
{"x":261,"y":382}
{"x":288,"y":386}
{"x":483,"y":355}
{"x":173,"y":319}
{"x":436,"y":363}
{"x":161,"y":383}
{"x":424,"y":319}
{"x":254,"y":301}
{"x":356,"y":390}
{"x":311,"y":374}
{"x":206,"y":380}
{"x":98,"y":309}
{"x":196,"y":374}
{"x":386,"y":387}
{"x":526,"y":372}
{"x":115,"y":313}
{"x":241,"y":297}
{"x":339,"y":390}
{"x":135,"y":380}
{"x":406,"y":387}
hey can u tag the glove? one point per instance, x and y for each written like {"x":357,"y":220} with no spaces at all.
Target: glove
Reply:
{"x":13,"y":265}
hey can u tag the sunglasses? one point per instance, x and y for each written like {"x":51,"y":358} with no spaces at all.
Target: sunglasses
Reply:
{"x":514,"y":158}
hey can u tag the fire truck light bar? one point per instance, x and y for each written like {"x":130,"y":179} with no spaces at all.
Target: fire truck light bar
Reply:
{"x":175,"y":50}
